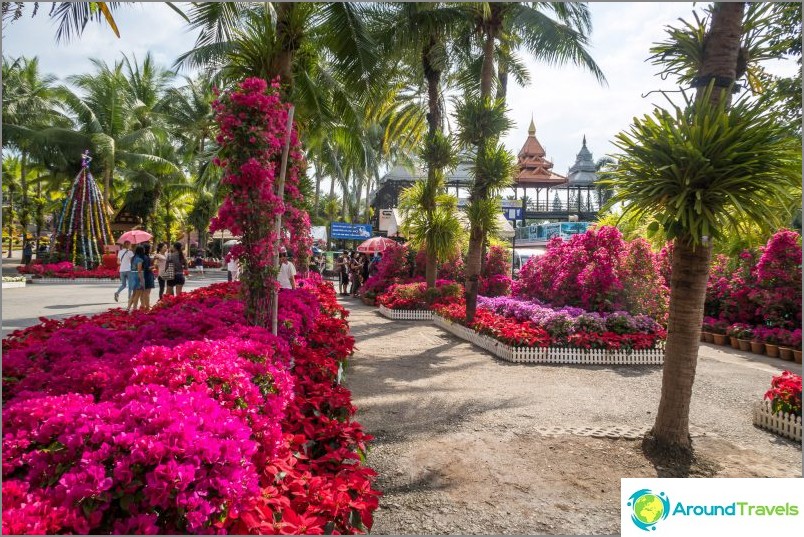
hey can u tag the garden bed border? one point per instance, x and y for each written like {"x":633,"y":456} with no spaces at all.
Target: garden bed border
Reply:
{"x":551,"y":355}
{"x":781,"y":423}
{"x":406,"y":315}
{"x":74,"y":280}
{"x":13,"y":285}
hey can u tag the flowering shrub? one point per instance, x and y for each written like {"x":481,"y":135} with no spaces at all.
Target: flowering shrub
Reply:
{"x":527,"y":324}
{"x":760,"y":287}
{"x":253,"y":122}
{"x":563,"y":323}
{"x":416,"y":296}
{"x":598,"y":271}
{"x":393,"y":268}
{"x":67,"y":270}
{"x":785,"y":393}
{"x":193,"y":423}
{"x":740,"y":331}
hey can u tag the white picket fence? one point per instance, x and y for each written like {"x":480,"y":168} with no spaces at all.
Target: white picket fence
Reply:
{"x":551,"y":355}
{"x":12,"y":285}
{"x":781,"y":423}
{"x":407,"y":315}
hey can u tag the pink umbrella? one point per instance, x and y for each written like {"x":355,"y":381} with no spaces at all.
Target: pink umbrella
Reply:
{"x":376,"y":244}
{"x":135,"y":236}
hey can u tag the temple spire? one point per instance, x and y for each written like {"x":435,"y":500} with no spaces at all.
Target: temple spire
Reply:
{"x":584,"y":140}
{"x":532,"y":128}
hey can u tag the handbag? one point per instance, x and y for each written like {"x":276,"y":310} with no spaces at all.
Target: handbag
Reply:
{"x":170,"y":269}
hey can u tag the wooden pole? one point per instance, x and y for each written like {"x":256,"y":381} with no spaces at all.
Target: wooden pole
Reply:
{"x":280,"y":191}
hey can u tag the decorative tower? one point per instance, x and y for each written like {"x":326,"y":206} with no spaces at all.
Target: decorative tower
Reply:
{"x":83,"y":227}
{"x":534,"y":168}
{"x":583,"y":172}
{"x":581,"y":184}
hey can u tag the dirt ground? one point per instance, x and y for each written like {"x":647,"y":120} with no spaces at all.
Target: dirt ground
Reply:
{"x":468,"y":444}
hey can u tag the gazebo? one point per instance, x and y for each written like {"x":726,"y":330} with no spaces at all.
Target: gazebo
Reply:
{"x":536,"y":172}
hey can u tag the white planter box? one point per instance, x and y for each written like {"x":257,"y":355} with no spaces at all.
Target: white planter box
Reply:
{"x":12,"y":285}
{"x":551,"y":355}
{"x":76,"y":280}
{"x":407,"y":315}
{"x":781,"y":423}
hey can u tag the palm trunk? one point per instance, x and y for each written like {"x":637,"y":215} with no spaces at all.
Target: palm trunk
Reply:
{"x":690,"y":270}
{"x":722,"y":51}
{"x":689,"y":276}
{"x":283,"y":60}
{"x":434,"y":122}
{"x":107,"y":186}
{"x":318,"y":178}
{"x":359,"y":189}
{"x":487,"y":70}
{"x":24,"y":207}
{"x":10,"y":222}
{"x":40,"y":217}
{"x":368,"y":198}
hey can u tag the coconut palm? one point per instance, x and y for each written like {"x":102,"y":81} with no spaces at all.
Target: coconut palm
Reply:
{"x":696,"y":170}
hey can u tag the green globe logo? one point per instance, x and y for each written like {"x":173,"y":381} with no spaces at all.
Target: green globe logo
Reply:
{"x":648,"y":508}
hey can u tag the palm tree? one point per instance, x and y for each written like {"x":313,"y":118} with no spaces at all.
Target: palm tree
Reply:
{"x":11,"y":185}
{"x":698,"y":170}
{"x":559,"y":40}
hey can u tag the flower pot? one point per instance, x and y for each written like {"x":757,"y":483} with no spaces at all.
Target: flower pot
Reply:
{"x":772,"y":350}
{"x":745,"y":344}
{"x":719,"y":339}
{"x":797,"y":356}
{"x":735,"y":343}
{"x":757,"y":347}
{"x":786,"y":353}
{"x":708,"y":337}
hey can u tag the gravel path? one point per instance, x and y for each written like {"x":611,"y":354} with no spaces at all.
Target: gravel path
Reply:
{"x":461,"y":444}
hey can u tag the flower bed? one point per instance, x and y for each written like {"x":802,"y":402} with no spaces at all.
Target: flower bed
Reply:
{"x":526,"y":341}
{"x":780,"y":411}
{"x":66,"y":270}
{"x":414,"y":301}
{"x":194,"y":422}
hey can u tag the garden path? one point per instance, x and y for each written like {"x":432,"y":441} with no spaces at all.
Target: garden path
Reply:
{"x":461,"y":446}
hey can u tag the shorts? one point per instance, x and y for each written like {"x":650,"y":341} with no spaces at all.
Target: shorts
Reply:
{"x":178,"y":279}
{"x":344,"y":277}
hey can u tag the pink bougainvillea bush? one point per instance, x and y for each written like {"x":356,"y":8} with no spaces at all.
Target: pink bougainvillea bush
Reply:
{"x":416,"y":296}
{"x":67,"y":270}
{"x":194,"y":422}
{"x":253,"y":124}
{"x":761,"y":286}
{"x":598,"y":271}
{"x":495,"y":278}
{"x":394,"y":267}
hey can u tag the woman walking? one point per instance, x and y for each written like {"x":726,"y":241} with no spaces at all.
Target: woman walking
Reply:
{"x":160,"y":260}
{"x":179,"y":266}
{"x":136,"y":278}
{"x":148,"y":272}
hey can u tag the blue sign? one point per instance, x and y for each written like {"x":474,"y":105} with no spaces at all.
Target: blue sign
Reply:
{"x":343,"y":230}
{"x":513,"y":213}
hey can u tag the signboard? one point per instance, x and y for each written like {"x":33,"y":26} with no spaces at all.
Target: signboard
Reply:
{"x":513,"y":214}
{"x":343,"y":230}
{"x":386,"y":217}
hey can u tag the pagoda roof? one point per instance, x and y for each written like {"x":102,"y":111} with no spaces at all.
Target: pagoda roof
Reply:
{"x":583,"y":172}
{"x":534,"y":168}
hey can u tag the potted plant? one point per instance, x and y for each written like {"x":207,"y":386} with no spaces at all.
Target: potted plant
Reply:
{"x":757,"y":345}
{"x":786,"y":344}
{"x":707,"y":330}
{"x":770,"y":337}
{"x":732,"y":333}
{"x":795,"y":344}
{"x":719,"y":332}
{"x":744,"y":335}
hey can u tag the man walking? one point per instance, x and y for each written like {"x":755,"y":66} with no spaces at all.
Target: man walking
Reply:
{"x":124,"y":257}
{"x":287,"y":272}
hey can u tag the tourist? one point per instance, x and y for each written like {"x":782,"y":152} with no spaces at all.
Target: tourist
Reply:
{"x":356,"y":270}
{"x":148,"y":272}
{"x":374,"y":266}
{"x":124,"y":257}
{"x":232,"y":268}
{"x":136,"y":278}
{"x":287,"y":272}
{"x":364,"y":259}
{"x":176,"y":257}
{"x":160,"y":258}
{"x":199,"y":263}
{"x":343,"y":269}
{"x":27,"y":253}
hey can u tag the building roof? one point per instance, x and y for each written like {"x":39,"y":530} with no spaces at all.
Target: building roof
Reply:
{"x":583,"y":172}
{"x":534,"y":168}
{"x":461,"y":175}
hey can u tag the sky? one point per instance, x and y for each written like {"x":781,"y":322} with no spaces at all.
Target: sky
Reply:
{"x":565,"y":102}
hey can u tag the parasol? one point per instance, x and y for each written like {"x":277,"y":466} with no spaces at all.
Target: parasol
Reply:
{"x":376,"y":244}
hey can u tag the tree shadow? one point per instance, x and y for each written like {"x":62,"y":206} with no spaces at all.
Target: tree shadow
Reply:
{"x":670,"y":462}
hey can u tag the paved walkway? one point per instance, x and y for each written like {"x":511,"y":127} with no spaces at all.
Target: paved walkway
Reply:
{"x":461,"y":436}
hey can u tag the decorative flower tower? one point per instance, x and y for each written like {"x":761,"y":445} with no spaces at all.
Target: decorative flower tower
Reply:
{"x":83,"y":227}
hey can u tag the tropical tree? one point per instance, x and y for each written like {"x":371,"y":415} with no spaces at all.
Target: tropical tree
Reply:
{"x":553,"y":32}
{"x":696,"y":170}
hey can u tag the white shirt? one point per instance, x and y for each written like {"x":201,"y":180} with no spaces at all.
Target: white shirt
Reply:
{"x":286,"y":272}
{"x":125,"y":257}
{"x":231,"y":266}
